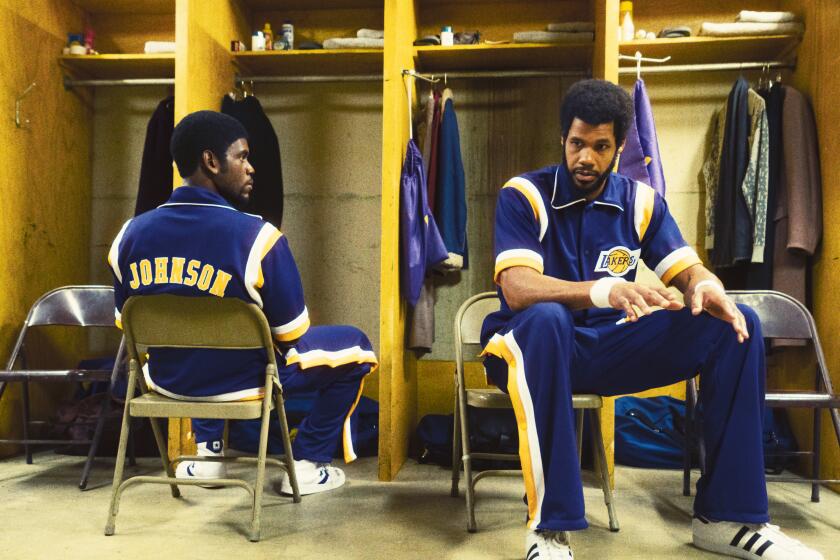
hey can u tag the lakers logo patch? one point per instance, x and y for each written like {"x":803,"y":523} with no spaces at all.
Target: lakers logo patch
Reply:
{"x":617,"y":261}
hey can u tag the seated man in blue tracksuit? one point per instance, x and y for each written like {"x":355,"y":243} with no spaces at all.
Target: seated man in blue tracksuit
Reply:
{"x":199,"y":244}
{"x":568,"y":240}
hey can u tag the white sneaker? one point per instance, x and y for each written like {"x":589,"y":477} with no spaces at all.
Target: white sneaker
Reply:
{"x":755,"y":541}
{"x":313,"y":478}
{"x":548,"y":545}
{"x":202,"y":470}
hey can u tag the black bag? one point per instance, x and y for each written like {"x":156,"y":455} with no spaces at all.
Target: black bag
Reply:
{"x":491,"y":431}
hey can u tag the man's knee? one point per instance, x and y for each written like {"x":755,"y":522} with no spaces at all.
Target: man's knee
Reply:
{"x":550,"y":315}
{"x":352,"y":336}
{"x":752,"y":320}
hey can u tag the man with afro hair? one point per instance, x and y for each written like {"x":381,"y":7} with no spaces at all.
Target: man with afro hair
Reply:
{"x":568,"y":242}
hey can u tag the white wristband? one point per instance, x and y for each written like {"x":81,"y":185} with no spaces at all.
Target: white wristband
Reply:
{"x":712,"y":283}
{"x":600,"y":291}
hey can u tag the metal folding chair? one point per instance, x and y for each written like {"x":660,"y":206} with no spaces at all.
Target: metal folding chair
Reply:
{"x":468,"y":322}
{"x":70,"y":306}
{"x":199,"y":322}
{"x":781,"y":316}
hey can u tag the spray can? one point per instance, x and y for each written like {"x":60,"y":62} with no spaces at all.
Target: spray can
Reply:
{"x":287,"y":31}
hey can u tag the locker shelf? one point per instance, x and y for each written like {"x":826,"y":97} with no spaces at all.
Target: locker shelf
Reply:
{"x":709,"y":50}
{"x":119,"y":66}
{"x":303,"y":62}
{"x":518,"y":56}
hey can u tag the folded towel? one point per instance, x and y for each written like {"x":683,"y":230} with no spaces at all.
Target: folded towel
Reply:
{"x":571,"y":26}
{"x":354,"y":43}
{"x":370,"y":34}
{"x":159,"y":47}
{"x":745,"y":28}
{"x":766,"y":17}
{"x":552,"y":36}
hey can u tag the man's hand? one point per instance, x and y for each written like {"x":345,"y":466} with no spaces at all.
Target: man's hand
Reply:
{"x":629,"y":296}
{"x":711,"y":298}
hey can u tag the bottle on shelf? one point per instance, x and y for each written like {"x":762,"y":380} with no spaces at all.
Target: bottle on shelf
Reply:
{"x":625,"y":20}
{"x":447,"y":38}
{"x":258,"y":41}
{"x":269,"y":37}
{"x":287,"y":31}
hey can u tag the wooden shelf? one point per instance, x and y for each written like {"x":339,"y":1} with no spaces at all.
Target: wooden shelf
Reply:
{"x":518,"y":56}
{"x":709,"y":50}
{"x":336,"y":62}
{"x":127,"y":6}
{"x":275,"y":5}
{"x":119,"y":66}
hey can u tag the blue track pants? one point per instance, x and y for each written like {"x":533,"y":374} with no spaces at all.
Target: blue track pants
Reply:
{"x":541,"y":358}
{"x":332,"y":361}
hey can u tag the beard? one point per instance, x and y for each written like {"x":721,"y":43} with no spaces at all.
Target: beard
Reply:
{"x":597,"y":183}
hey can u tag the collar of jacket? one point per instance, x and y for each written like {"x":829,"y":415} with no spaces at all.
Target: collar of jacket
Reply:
{"x":565,"y":194}
{"x":197,"y":195}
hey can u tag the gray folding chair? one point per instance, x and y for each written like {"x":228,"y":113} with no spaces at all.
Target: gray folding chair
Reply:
{"x":69,"y":306}
{"x":468,"y":322}
{"x":199,"y":322}
{"x":781,"y":316}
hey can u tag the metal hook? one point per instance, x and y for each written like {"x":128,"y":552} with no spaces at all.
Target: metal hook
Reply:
{"x":414,"y":74}
{"x":17,"y":106}
{"x":638,"y":65}
{"x":638,"y":59}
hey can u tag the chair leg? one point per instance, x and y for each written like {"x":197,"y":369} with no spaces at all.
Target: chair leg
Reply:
{"x":601,"y":459}
{"x":579,"y":431}
{"x":456,"y":449}
{"x":27,"y":450}
{"x":467,"y":460}
{"x":113,"y":508}
{"x":815,"y":458}
{"x":132,"y":455}
{"x":164,"y":456}
{"x":287,"y":445}
{"x":97,"y":436}
{"x":261,"y":452}
{"x":690,"y":398}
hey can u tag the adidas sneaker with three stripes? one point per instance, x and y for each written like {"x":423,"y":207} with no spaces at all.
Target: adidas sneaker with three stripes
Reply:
{"x":548,"y":545}
{"x":751,"y":541}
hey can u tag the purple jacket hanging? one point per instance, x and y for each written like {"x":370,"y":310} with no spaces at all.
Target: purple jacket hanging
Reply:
{"x":640,"y":159}
{"x":421,"y":246}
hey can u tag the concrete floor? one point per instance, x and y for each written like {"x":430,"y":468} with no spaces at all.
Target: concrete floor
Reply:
{"x":44,"y":515}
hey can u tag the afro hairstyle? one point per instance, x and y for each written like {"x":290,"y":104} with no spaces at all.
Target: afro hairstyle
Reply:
{"x":597,"y":102}
{"x":200,"y":131}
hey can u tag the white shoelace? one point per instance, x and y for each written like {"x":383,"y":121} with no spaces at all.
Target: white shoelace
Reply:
{"x":557,"y":537}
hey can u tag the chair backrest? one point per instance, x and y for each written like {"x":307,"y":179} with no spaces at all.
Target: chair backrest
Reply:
{"x":83,"y":306}
{"x":194,"y":322}
{"x":468,"y":321}
{"x":781,"y":316}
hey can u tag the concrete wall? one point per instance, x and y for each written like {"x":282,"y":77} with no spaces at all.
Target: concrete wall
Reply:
{"x":330,"y":142}
{"x":120,"y":117}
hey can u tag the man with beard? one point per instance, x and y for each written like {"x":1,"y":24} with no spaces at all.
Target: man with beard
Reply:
{"x":198,"y":244}
{"x":568,"y":240}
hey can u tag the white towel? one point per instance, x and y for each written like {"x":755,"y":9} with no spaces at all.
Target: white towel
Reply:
{"x":766,"y":17}
{"x":571,"y":26}
{"x":354,"y":43}
{"x":552,"y":36}
{"x":744,"y":28}
{"x":159,"y":47}
{"x":370,"y":34}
